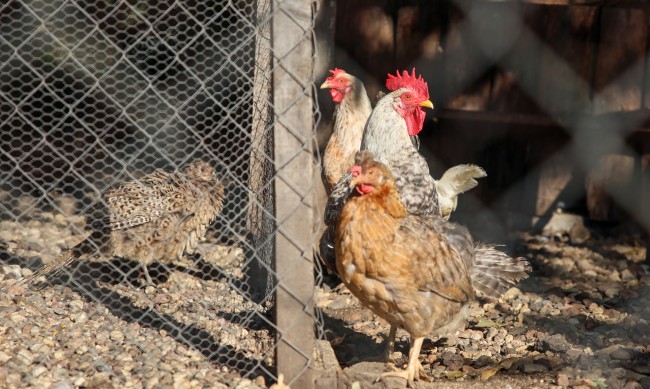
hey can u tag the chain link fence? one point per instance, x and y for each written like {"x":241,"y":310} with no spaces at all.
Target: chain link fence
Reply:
{"x":97,"y":93}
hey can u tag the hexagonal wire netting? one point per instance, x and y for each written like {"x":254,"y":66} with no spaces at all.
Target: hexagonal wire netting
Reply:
{"x":96,"y":93}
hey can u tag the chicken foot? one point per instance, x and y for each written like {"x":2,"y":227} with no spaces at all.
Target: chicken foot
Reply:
{"x":414,"y":366}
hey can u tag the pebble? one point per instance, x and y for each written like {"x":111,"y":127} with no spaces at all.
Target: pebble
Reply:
{"x":116,"y":336}
{"x":25,"y":357}
{"x":38,"y":370}
{"x":562,"y":380}
{"x":621,"y":354}
{"x":556,"y":343}
{"x":530,"y":368}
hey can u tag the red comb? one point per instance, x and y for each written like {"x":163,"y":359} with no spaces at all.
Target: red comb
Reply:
{"x":335,"y":73}
{"x":355,"y":170}
{"x":406,"y":80}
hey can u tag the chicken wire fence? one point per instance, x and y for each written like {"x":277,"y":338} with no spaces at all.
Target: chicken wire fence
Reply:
{"x":94,"y":94}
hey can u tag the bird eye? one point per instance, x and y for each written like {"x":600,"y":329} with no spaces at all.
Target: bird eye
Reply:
{"x":407,"y":96}
{"x":341,"y":81}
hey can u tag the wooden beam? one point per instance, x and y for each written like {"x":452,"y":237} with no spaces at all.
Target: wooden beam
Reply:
{"x":645,"y":194}
{"x":618,"y":77}
{"x":260,"y":223}
{"x":294,"y":185}
{"x":600,"y":3}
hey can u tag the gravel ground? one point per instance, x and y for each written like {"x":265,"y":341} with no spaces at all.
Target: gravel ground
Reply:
{"x":581,"y":320}
{"x":190,"y":330}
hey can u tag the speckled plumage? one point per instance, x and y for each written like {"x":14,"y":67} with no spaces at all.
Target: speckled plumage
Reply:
{"x":161,"y":216}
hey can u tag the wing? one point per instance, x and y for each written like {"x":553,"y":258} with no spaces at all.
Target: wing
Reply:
{"x":337,"y":199}
{"x":439,"y":256}
{"x":416,"y":187}
{"x":142,"y":201}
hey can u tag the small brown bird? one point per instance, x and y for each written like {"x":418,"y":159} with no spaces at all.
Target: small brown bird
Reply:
{"x":414,"y":271}
{"x":158,"y":217}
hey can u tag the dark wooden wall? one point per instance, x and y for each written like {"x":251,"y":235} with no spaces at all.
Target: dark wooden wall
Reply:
{"x":512,"y":83}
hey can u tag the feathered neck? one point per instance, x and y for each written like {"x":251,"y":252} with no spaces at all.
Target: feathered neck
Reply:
{"x":356,"y":102}
{"x":384,"y":196}
{"x":386,"y":131}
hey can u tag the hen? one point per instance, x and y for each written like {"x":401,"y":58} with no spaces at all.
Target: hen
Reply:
{"x":414,"y":271}
{"x":352,"y":108}
{"x":158,"y":217}
{"x":411,"y":270}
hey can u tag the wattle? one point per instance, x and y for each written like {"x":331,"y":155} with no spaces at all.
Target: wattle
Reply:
{"x":337,"y":95}
{"x":415,"y":121}
{"x":364,"y":188}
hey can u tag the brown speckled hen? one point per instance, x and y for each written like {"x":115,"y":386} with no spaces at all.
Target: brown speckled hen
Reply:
{"x":414,"y":271}
{"x":158,"y":217}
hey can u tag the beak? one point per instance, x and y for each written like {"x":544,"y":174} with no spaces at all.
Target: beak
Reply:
{"x":325,"y":85}
{"x":425,"y":103}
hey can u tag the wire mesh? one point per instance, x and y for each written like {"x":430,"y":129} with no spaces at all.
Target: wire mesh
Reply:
{"x":94,"y":95}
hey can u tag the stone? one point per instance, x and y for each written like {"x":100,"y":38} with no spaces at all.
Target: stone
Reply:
{"x":556,"y":343}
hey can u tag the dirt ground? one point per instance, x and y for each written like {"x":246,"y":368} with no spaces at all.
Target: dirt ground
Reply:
{"x":581,"y":320}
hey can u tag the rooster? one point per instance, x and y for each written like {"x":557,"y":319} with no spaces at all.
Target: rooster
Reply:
{"x":414,"y":271}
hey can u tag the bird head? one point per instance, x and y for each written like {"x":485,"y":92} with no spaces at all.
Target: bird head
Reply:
{"x":200,"y":170}
{"x":410,"y":94}
{"x":369,"y":174}
{"x":339,"y":83}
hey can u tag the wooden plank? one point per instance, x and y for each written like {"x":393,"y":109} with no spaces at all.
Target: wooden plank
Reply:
{"x":619,"y":66}
{"x":365,"y":32}
{"x":554,"y":176}
{"x":611,"y":172}
{"x":294,"y":188}
{"x":468,"y":72}
{"x":607,"y":3}
{"x":419,"y":32}
{"x":517,"y":77}
{"x":260,"y":223}
{"x":567,"y":61}
{"x":644,"y":204}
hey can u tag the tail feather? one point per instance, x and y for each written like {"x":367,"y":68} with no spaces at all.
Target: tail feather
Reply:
{"x":459,"y":179}
{"x":495,"y":272}
{"x":51,"y":270}
{"x":456,"y":180}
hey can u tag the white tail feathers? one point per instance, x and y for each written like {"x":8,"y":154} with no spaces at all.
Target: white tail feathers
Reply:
{"x":456,"y":180}
{"x":495,"y":272}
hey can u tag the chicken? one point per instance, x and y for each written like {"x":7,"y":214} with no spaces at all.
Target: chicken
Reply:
{"x":158,"y":217}
{"x":411,"y":270}
{"x":350,"y":115}
{"x":414,"y":271}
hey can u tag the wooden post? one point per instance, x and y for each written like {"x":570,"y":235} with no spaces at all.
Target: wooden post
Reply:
{"x":294,"y":187}
{"x":645,"y":195}
{"x":260,"y":210}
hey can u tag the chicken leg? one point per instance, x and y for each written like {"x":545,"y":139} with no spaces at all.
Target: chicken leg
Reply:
{"x":390,"y":343}
{"x":414,"y":366}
